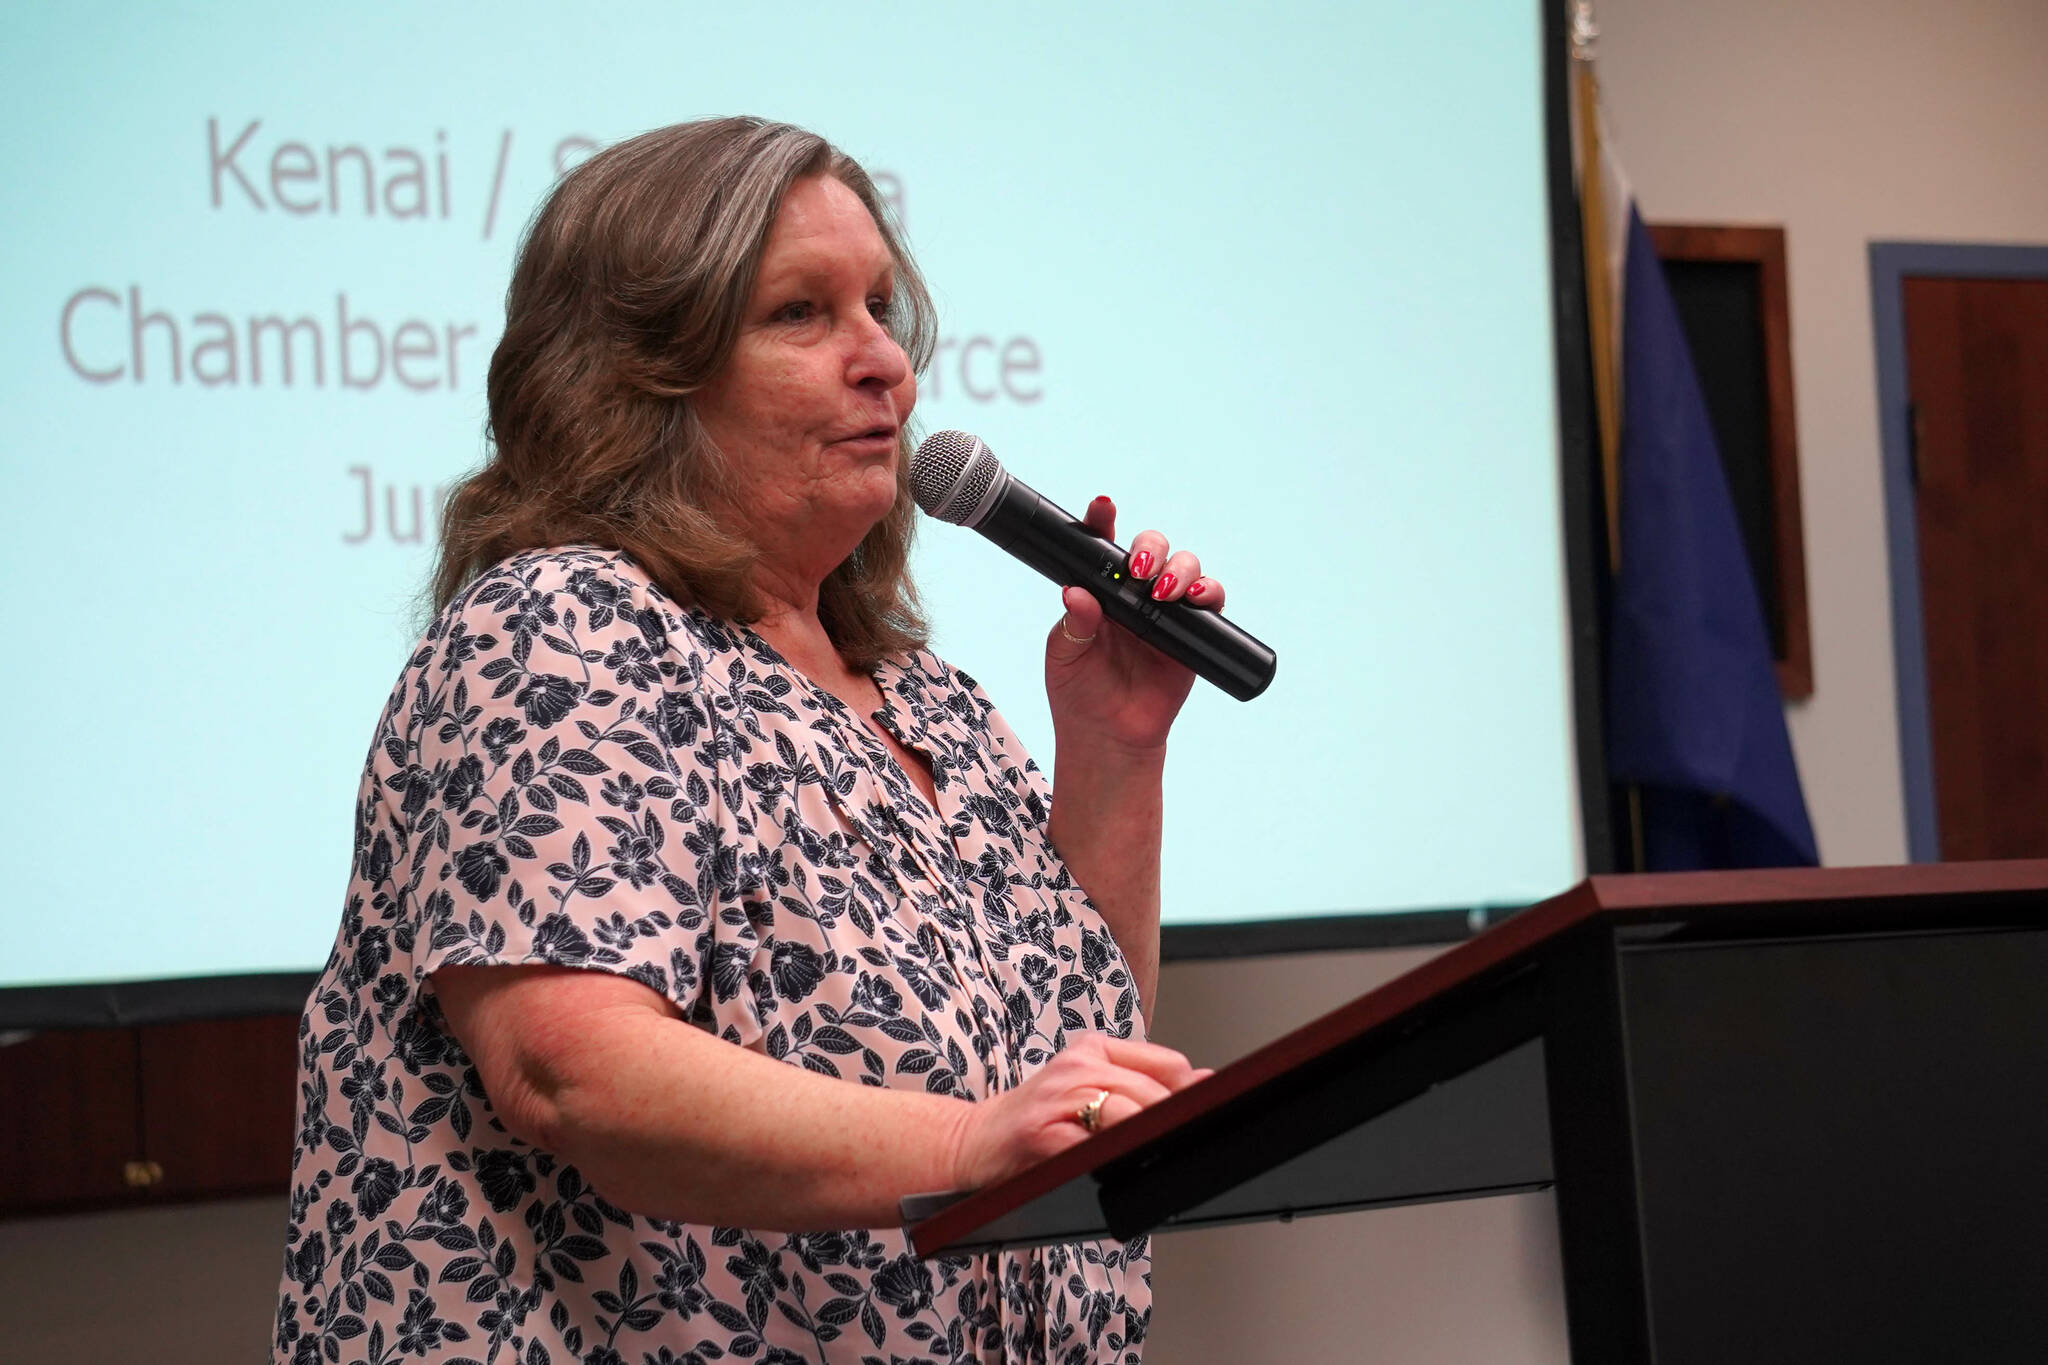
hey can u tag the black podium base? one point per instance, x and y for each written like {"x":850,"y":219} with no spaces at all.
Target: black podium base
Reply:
{"x":1840,"y":1151}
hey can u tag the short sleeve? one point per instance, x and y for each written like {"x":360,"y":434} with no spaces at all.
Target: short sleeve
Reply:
{"x":537,"y":787}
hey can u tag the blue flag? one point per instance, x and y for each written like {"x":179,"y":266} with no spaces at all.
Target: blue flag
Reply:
{"x":1693,"y":713}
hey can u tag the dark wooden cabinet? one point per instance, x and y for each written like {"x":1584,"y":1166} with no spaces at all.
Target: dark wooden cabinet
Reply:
{"x":218,"y":1103}
{"x":70,"y":1120}
{"x":102,"y":1118}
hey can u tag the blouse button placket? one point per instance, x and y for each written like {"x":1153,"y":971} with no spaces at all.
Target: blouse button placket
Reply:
{"x":867,"y":750}
{"x":962,"y":901}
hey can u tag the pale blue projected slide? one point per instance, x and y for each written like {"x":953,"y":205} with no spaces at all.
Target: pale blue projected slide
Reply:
{"x":1278,"y":282}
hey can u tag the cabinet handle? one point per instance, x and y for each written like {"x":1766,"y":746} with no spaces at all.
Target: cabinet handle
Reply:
{"x":140,"y":1175}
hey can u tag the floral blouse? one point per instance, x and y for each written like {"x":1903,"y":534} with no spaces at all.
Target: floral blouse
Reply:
{"x":574,"y":770}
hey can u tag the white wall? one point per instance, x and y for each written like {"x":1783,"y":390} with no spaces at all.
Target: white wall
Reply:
{"x":1843,"y":120}
{"x":1476,"y":1280}
{"x":190,"y":1285}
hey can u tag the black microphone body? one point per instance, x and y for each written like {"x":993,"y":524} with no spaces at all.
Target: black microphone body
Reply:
{"x":1051,"y":540}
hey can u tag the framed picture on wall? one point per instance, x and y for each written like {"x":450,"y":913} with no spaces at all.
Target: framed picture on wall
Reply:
{"x":1729,"y":283}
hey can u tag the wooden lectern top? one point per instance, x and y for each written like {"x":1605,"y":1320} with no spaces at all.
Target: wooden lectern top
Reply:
{"x":1670,"y":903}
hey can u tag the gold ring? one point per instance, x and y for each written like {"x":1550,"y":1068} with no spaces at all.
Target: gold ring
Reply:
{"x":1077,"y":639}
{"x":1089,"y":1115}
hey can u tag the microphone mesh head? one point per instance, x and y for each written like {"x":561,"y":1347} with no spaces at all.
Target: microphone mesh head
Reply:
{"x":951,"y":473}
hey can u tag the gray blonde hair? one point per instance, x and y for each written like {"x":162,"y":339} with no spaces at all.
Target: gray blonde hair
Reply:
{"x":628,"y":296}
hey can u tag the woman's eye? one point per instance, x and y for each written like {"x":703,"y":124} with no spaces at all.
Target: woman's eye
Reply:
{"x":882,"y":309}
{"x":799,"y":311}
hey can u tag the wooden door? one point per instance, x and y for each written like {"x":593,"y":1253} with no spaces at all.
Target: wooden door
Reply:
{"x":1977,"y":366}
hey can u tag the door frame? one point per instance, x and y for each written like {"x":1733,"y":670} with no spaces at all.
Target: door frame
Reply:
{"x":1890,"y":264}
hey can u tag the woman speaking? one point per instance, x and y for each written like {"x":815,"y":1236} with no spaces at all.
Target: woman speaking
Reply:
{"x":698,"y":912}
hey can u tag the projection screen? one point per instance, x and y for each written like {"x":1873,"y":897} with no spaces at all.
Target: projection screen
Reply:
{"x":1277,"y":280}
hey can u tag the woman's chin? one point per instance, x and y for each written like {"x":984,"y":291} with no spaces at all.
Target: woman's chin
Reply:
{"x":850,"y":516}
{"x":872,"y":490}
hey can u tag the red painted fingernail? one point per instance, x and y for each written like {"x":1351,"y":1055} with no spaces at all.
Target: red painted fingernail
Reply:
{"x":1164,"y":586}
{"x":1141,"y":563}
{"x":1195,"y":589}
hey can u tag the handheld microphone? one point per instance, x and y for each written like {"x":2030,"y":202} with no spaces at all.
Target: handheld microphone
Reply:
{"x":957,"y":478}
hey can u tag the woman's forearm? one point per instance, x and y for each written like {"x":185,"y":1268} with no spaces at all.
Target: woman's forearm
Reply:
{"x":669,"y":1121}
{"x":1106,"y":820}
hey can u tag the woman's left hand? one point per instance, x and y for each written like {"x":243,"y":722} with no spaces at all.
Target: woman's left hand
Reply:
{"x":1105,"y":685}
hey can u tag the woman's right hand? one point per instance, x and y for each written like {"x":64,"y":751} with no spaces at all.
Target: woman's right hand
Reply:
{"x":1023,"y":1127}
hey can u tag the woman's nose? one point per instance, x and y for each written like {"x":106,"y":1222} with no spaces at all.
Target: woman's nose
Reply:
{"x":877,"y":359}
